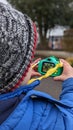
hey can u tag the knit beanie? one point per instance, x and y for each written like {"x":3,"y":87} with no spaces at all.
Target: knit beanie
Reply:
{"x":17,"y":42}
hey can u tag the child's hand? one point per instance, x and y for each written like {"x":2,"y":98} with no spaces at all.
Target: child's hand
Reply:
{"x":67,"y":71}
{"x":34,"y":69}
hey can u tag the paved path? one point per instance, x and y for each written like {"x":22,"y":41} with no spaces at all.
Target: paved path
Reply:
{"x":50,"y":86}
{"x":60,"y":54}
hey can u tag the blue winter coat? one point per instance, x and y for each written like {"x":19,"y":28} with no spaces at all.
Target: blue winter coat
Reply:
{"x":38,"y":110}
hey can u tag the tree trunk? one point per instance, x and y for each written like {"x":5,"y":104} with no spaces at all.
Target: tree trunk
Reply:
{"x":43,"y":41}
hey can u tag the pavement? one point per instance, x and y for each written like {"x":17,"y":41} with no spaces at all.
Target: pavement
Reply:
{"x":51,"y":87}
{"x":60,"y":54}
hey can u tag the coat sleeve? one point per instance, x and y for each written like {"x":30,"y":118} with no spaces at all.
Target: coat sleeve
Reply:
{"x":67,"y":92}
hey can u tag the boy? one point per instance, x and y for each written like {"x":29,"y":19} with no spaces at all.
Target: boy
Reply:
{"x":20,"y":106}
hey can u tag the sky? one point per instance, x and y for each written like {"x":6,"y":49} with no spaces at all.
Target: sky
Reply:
{"x":3,"y":1}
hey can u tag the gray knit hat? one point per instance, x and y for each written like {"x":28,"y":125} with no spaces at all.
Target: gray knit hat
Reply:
{"x":17,"y":42}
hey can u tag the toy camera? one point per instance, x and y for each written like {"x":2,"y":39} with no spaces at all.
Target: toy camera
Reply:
{"x":48,"y":63}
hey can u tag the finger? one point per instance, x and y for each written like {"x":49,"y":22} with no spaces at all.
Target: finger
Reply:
{"x":36,"y":61}
{"x":65,"y":63}
{"x":59,"y":78}
{"x":34,"y":73}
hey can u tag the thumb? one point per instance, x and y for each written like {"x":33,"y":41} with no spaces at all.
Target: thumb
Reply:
{"x":59,"y":78}
{"x":34,"y":73}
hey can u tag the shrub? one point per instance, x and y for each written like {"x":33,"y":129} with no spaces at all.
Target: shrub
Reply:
{"x":70,"y":60}
{"x":67,"y":42}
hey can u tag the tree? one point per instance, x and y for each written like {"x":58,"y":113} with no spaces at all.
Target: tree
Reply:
{"x":47,"y":13}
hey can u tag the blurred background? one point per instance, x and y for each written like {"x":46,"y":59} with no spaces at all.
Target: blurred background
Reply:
{"x":54,"y":21}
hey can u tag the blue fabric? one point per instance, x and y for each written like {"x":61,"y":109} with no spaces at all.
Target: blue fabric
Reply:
{"x":38,"y":110}
{"x":8,"y":106}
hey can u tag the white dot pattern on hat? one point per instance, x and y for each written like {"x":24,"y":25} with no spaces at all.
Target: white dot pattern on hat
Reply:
{"x":16,"y":45}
